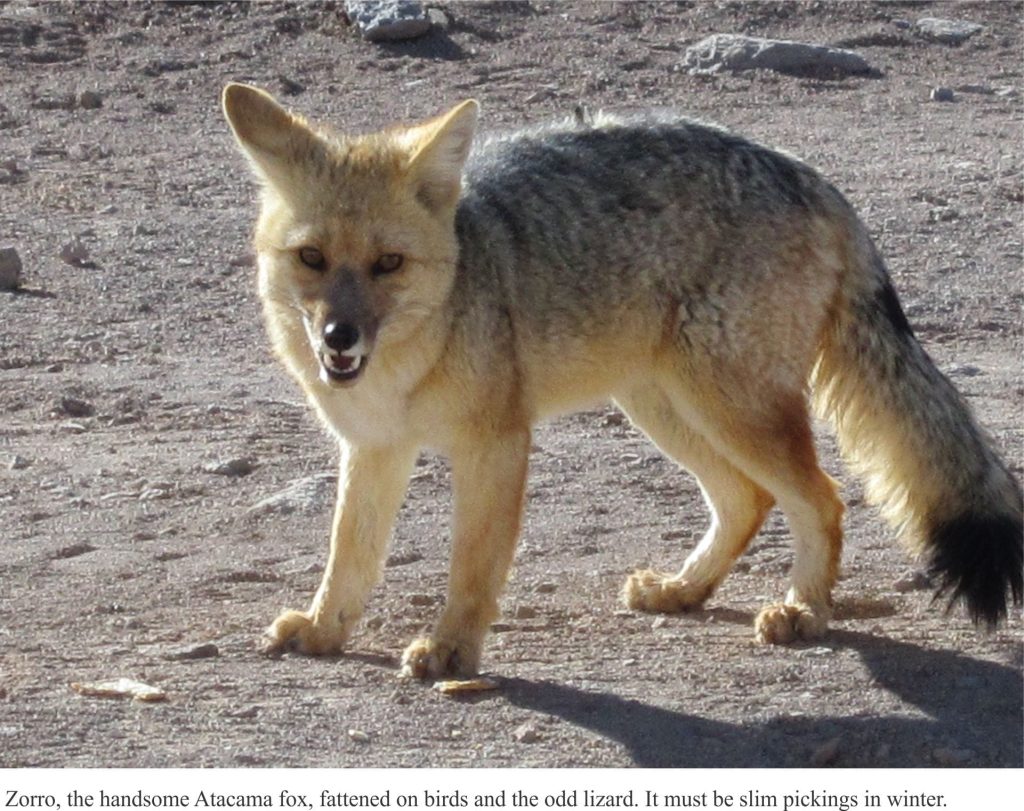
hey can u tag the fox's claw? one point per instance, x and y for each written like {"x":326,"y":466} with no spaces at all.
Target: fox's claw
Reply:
{"x":432,"y":659}
{"x":296,"y":631}
{"x":646,"y":590}
{"x":785,"y":623}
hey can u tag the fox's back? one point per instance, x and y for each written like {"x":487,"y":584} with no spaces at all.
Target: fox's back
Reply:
{"x":574,"y":223}
{"x":594,"y":238}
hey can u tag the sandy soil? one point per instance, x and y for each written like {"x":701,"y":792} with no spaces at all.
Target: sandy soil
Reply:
{"x":130,"y":373}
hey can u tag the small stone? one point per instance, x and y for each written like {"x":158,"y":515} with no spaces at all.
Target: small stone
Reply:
{"x":942,"y":94}
{"x":525,"y":612}
{"x":388,"y":20}
{"x":659,"y":622}
{"x":10,"y":269}
{"x":546,"y":588}
{"x":526,"y":733}
{"x":207,"y":650}
{"x":120,"y":688}
{"x":15,"y":462}
{"x":61,"y":102}
{"x":358,"y":736}
{"x":403,"y":558}
{"x":290,"y":87}
{"x":948,"y":32}
{"x":438,"y":19}
{"x":73,"y":551}
{"x":75,"y":253}
{"x":827,"y":753}
{"x":309,"y":495}
{"x":90,"y":100}
{"x":912,"y":581}
{"x":232,"y":467}
{"x":457,"y":687}
{"x":73,"y":407}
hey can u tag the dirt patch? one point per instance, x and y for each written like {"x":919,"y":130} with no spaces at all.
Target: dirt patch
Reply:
{"x":136,"y":385}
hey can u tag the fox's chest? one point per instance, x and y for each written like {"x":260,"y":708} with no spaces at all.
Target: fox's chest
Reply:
{"x":365,"y":414}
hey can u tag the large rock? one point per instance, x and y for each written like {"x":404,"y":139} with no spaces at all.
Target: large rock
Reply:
{"x":950,"y":32}
{"x":10,"y":269}
{"x":736,"y":52}
{"x":381,"y":20}
{"x":309,"y":495}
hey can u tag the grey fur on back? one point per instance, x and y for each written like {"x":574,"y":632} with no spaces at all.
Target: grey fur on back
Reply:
{"x":659,"y":200}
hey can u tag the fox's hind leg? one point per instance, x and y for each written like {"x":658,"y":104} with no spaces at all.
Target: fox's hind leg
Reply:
{"x":764,"y":430}
{"x":738,"y":507}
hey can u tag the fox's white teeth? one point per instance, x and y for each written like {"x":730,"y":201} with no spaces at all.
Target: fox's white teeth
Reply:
{"x":339,"y":367}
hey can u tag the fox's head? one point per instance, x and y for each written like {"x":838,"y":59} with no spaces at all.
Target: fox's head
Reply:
{"x":356,"y":236}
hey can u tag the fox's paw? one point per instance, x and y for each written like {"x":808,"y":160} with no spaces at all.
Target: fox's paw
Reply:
{"x":647,"y":590}
{"x":788,"y":622}
{"x":430,"y":658}
{"x":296,"y":631}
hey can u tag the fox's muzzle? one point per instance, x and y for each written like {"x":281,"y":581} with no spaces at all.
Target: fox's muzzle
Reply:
{"x":348,"y":331}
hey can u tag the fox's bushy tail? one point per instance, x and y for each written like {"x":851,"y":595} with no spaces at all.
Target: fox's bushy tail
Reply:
{"x":928,"y":464}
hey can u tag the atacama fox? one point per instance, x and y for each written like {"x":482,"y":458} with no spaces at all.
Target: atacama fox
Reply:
{"x":428,"y":292}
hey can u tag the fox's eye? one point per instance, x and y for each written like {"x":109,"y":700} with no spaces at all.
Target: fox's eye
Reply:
{"x":312,"y":258}
{"x":388,"y":263}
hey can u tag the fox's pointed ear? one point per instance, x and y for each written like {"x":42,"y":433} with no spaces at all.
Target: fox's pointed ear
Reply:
{"x":439,"y":149}
{"x":273,"y":139}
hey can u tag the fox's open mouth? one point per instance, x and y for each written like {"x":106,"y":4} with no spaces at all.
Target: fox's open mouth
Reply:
{"x":337,"y":367}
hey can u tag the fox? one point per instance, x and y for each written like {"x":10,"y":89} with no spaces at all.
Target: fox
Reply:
{"x":432,"y":289}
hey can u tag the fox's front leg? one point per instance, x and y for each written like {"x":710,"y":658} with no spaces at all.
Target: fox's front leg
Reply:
{"x":488,"y":480}
{"x":371,"y":485}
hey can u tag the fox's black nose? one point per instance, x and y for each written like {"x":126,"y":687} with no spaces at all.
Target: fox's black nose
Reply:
{"x":340,"y":337}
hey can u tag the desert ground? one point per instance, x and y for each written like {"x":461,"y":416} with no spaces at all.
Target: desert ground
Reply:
{"x":147,"y":433}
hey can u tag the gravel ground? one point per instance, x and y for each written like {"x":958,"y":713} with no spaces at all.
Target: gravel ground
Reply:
{"x":142,"y":416}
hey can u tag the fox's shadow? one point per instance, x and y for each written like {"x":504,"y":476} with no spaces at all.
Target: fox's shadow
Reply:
{"x":970,"y":690}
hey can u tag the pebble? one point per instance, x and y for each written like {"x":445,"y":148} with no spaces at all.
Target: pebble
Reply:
{"x":358,"y":736}
{"x":75,"y":253}
{"x":388,"y":20}
{"x":10,"y":269}
{"x":948,"y":32}
{"x":90,"y":100}
{"x":526,"y":733}
{"x":207,"y":650}
{"x":290,"y":87}
{"x":912,"y":581}
{"x":118,"y":688}
{"x":546,"y":588}
{"x":308,"y":495}
{"x":232,"y":467}
{"x":942,"y":94}
{"x":73,"y":551}
{"x":15,"y":462}
{"x":73,"y":407}
{"x":403,"y":558}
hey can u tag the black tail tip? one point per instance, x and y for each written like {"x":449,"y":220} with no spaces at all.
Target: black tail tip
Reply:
{"x":976,"y":559}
